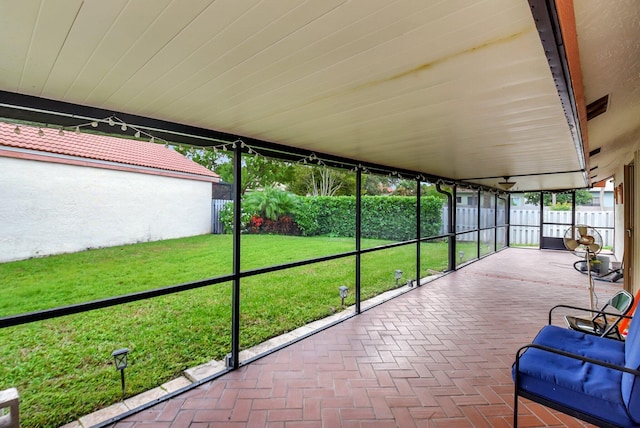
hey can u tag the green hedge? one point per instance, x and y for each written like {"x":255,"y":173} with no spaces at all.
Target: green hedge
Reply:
{"x":392,"y":217}
{"x":383,"y":217}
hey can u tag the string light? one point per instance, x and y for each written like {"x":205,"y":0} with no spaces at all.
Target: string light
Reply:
{"x":311,"y":158}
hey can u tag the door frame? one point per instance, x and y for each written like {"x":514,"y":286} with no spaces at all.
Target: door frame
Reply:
{"x":554,"y":243}
{"x":628,"y":204}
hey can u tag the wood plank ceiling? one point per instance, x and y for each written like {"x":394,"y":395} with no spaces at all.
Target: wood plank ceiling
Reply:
{"x":455,"y":88}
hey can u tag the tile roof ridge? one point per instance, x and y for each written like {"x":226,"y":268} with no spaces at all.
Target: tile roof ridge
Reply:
{"x":100,"y":147}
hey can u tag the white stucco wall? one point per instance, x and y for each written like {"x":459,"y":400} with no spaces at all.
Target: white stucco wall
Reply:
{"x":50,"y":208}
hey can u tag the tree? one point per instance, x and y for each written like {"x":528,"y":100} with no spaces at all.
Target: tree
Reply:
{"x":257,"y":171}
{"x":583,"y":197}
{"x":376,"y":185}
{"x":406,"y":188}
{"x":322,"y":181}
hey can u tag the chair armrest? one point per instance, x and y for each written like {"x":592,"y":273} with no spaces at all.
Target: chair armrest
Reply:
{"x":592,"y":311}
{"x":577,"y":308}
{"x":571,"y":355}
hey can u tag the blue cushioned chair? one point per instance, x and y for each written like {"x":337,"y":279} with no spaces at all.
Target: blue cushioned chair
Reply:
{"x":592,"y":378}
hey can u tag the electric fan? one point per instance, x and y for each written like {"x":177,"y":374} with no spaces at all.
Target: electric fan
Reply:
{"x":584,"y":241}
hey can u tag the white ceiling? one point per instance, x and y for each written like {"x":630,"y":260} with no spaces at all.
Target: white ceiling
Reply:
{"x":456,"y":88}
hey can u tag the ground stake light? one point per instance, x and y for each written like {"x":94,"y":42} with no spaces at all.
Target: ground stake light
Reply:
{"x":120,"y":360}
{"x":397,"y":275}
{"x":344,"y":290}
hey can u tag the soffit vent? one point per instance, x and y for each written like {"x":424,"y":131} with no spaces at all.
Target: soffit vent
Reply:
{"x":597,"y":107}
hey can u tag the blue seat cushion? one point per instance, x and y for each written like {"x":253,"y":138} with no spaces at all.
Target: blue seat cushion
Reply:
{"x":631,"y":383}
{"x":585,"y":387}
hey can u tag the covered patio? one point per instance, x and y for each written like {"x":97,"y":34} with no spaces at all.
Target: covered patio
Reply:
{"x":475,"y":101}
{"x":437,"y":356}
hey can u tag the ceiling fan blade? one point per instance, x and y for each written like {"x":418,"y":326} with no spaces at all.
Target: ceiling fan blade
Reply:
{"x":571,"y":244}
{"x":582,"y":230}
{"x":594,"y":248}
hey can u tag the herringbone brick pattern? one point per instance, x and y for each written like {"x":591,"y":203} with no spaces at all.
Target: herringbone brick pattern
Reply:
{"x":438,"y":356}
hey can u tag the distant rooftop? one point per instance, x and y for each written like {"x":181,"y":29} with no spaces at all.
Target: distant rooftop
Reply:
{"x":100,"y":147}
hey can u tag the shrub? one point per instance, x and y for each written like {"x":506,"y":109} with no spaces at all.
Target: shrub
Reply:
{"x":283,"y":226}
{"x":392,"y":217}
{"x":226,"y":218}
{"x":270,"y":203}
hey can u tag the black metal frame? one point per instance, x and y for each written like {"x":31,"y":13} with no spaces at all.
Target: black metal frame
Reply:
{"x":553,"y":404}
{"x":26,"y":108}
{"x":611,"y":329}
{"x":549,"y":242}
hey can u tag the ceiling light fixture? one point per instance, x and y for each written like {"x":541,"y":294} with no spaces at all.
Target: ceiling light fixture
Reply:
{"x":506,"y":184}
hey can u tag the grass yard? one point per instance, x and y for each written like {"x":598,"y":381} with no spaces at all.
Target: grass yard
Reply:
{"x":63,"y":367}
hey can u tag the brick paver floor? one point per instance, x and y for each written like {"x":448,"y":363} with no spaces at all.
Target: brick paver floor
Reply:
{"x":437,"y":356}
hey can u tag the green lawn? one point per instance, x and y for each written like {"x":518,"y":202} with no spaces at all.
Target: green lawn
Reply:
{"x":63,"y":367}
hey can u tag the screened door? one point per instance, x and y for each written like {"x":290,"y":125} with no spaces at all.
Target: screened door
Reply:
{"x":558,"y":214}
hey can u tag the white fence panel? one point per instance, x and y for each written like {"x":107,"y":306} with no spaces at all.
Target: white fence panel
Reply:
{"x":525,"y":229}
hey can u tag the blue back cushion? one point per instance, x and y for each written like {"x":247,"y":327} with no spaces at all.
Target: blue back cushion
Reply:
{"x":631,"y":384}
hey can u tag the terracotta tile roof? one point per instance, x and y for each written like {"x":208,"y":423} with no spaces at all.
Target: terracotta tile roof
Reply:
{"x":100,"y":147}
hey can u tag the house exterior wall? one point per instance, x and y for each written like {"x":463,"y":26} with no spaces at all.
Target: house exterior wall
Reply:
{"x":51,"y":208}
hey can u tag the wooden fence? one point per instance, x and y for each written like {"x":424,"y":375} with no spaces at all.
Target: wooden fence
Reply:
{"x":217,"y":227}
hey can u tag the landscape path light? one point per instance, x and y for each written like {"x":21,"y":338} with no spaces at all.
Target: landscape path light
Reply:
{"x":397,"y":275}
{"x":344,"y":291}
{"x":120,"y":360}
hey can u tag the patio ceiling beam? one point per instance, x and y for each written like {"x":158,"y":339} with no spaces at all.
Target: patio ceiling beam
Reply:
{"x":548,"y":23}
